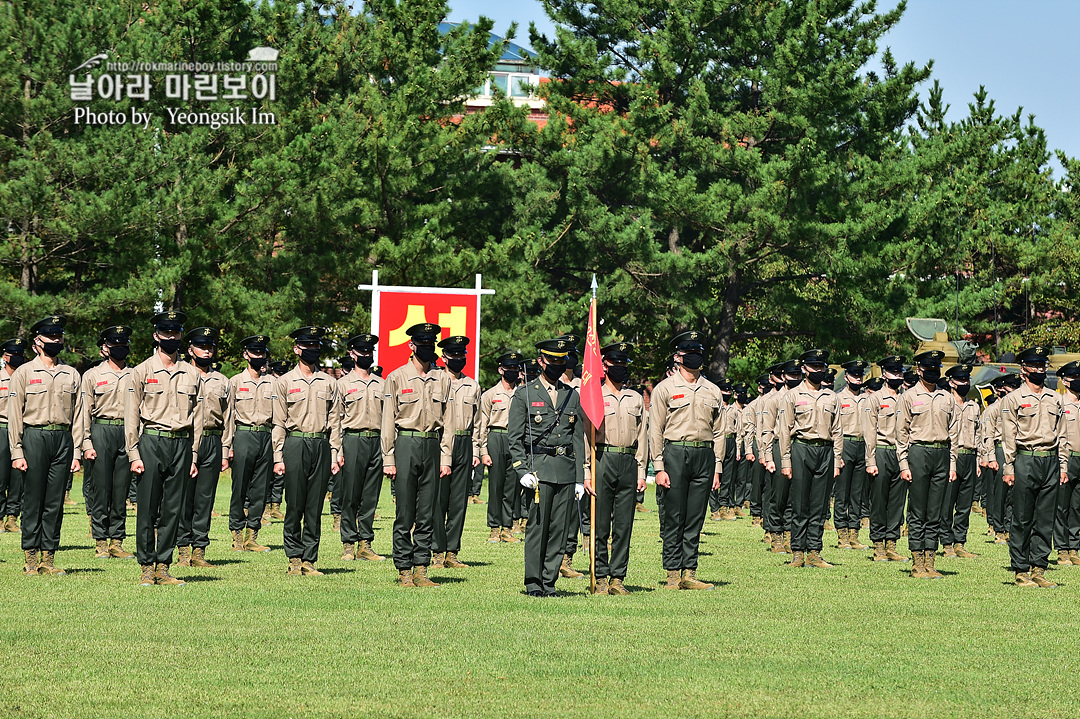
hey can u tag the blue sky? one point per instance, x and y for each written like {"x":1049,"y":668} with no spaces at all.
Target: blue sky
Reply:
{"x":1023,"y":52}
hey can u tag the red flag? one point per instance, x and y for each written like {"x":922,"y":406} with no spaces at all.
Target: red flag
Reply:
{"x":592,"y":374}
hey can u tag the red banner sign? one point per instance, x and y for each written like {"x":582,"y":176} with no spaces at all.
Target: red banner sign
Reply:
{"x":457,"y":314}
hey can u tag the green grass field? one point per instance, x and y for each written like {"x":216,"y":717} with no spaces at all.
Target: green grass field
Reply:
{"x":244,"y":640}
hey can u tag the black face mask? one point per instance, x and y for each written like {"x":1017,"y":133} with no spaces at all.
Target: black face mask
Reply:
{"x":931,"y":375}
{"x":119,"y":353}
{"x":1073,"y":385}
{"x":52,"y":348}
{"x":311,"y":355}
{"x":511,"y":376}
{"x":894,"y":384}
{"x":16,"y":361}
{"x":818,"y":377}
{"x":1037,"y":378}
{"x":554,"y":372}
{"x":425,"y":353}
{"x":456,"y":365}
{"x":793,"y":383}
{"x":203,"y":362}
{"x":855,"y":387}
{"x":257,"y":363}
{"x":617,"y":373}
{"x":169,"y":347}
{"x":364,"y":362}
{"x":742,"y":399}
{"x":693,"y":360}
{"x":961,"y":389}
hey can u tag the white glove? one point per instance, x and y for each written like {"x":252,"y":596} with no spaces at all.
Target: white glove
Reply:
{"x":579,"y":491}
{"x":529,"y":481}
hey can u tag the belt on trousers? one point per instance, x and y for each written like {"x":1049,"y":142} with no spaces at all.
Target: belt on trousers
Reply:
{"x":680,"y":443}
{"x":965,"y":451}
{"x":52,"y":427}
{"x":853,"y":438}
{"x":308,"y":435}
{"x":1074,"y":454}
{"x":416,"y":433}
{"x":180,"y":434}
{"x":617,"y":450}
{"x":1037,"y":453}
{"x":563,"y":450}
{"x":503,"y":430}
{"x":933,"y":445}
{"x":109,"y":421}
{"x":729,"y":436}
{"x":214,"y":432}
{"x":462,"y":432}
{"x":362,"y":432}
{"x":3,"y":425}
{"x":882,"y":445}
{"x":814,"y":442}
{"x":252,"y":428}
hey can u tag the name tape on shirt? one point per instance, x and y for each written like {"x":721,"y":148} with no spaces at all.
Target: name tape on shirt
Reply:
{"x":102,"y":382}
{"x":354,"y":389}
{"x":245,"y":389}
{"x":407,"y":390}
{"x":35,"y":381}
{"x":294,"y":390}
{"x":677,"y":396}
{"x":151,"y":380}
{"x":537,"y":404}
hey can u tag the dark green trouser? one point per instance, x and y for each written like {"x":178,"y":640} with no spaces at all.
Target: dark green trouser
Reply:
{"x":48,"y":463}
{"x":757,"y":485}
{"x":725,"y":496}
{"x":1004,"y":498}
{"x":252,"y":468}
{"x":105,"y":482}
{"x":780,"y":504}
{"x":502,"y":487}
{"x":616,"y":495}
{"x":850,"y":485}
{"x":743,"y":484}
{"x":361,"y":482}
{"x":545,"y":535}
{"x":199,"y":493}
{"x":336,"y":488}
{"x":889,"y":495}
{"x":451,"y":498}
{"x":956,"y":512}
{"x":417,"y":462}
{"x":992,"y":485}
{"x":523,"y":500}
{"x":690,"y":470}
{"x":11,"y":480}
{"x":1067,"y":514}
{"x":926,"y":496}
{"x":811,"y":468}
{"x":167,"y":463}
{"x":307,"y":470}
{"x":1034,"y":498}
{"x":476,"y":482}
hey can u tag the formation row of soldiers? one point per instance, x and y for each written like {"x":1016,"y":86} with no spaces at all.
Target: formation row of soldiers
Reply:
{"x":177,"y":425}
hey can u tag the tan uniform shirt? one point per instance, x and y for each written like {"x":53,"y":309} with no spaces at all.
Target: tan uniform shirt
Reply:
{"x":361,"y":402}
{"x":1071,"y":407}
{"x":494,"y":413}
{"x":415,"y":402}
{"x":810,"y":414}
{"x":625,"y":424}
{"x":925,"y":417}
{"x":683,"y":411}
{"x":250,"y":403}
{"x":161,"y":399}
{"x":767,"y":422}
{"x":1032,"y":420}
{"x":967,"y":425}
{"x":853,"y":408}
{"x":5,"y":390}
{"x":40,"y":396}
{"x":464,"y":410}
{"x":990,"y":431}
{"x":305,"y":404}
{"x":99,"y":398}
{"x":881,"y":413}
{"x":747,"y":428}
{"x":732,"y":421}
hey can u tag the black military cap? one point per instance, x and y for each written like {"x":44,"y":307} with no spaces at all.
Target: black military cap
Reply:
{"x":688,"y":341}
{"x":171,"y":321}
{"x":555,"y":349}
{"x":203,"y":336}
{"x":255,"y":343}
{"x":959,"y":372}
{"x":740,"y":388}
{"x":116,"y":333}
{"x":310,"y":334}
{"x":998,"y":382}
{"x":13,"y":346}
{"x":455,"y":345}
{"x":724,"y":384}
{"x":814,"y":357}
{"x":792,"y":366}
{"x":874,"y":384}
{"x":617,"y":351}
{"x":893,"y":363}
{"x":377,"y":370}
{"x":363,"y":343}
{"x":1012,"y":381}
{"x":776,"y":368}
{"x":511,"y":359}
{"x":943,"y":383}
{"x":1072,"y":369}
{"x":424,"y":333}
{"x":348,"y":364}
{"x":571,"y":338}
{"x":930,"y":358}
{"x":1036,"y":355}
{"x":910,"y":377}
{"x":763,"y":380}
{"x":856,"y":367}
{"x":51,"y":325}
{"x":279,"y":368}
